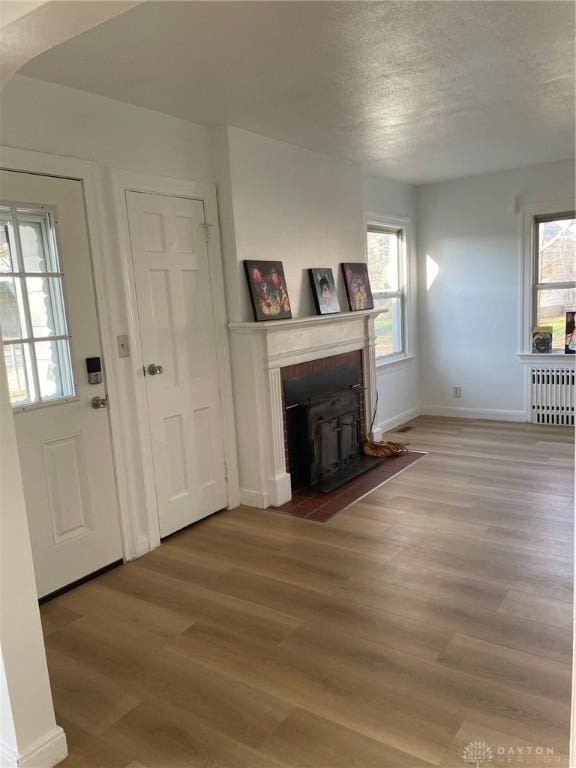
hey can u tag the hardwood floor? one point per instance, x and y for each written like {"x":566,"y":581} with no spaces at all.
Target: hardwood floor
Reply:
{"x":435,"y":613}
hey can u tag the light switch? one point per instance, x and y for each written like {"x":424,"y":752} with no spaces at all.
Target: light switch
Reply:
{"x":123,"y":345}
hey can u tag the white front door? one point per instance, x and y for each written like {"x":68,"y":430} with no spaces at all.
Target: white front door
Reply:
{"x":49,"y":325}
{"x":174,"y":296}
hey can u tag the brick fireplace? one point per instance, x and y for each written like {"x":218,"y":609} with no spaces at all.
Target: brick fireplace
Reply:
{"x":266,"y":357}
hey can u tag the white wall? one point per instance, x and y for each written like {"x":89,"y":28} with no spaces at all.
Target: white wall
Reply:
{"x":470,"y":316}
{"x":305,"y":209}
{"x":28,"y":731}
{"x":387,"y":197}
{"x":46,"y":117}
{"x":292,"y":205}
{"x":398,"y":387}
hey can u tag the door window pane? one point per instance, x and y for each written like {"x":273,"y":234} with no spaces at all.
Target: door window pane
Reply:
{"x":557,"y":251}
{"x":7,"y":254}
{"x":45,"y":299}
{"x":383,"y":260}
{"x":51,"y":364}
{"x":34,"y":239}
{"x":552,"y":305}
{"x":388,"y":327}
{"x":12,"y":316}
{"x":38,"y":364}
{"x":18,"y":367}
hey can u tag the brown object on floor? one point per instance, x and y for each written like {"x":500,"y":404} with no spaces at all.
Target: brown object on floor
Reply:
{"x":435,"y":613}
{"x":383,"y":448}
{"x":322,"y":506}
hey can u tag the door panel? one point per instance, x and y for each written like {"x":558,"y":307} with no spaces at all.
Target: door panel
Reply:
{"x":65,"y":447}
{"x":172,"y":276}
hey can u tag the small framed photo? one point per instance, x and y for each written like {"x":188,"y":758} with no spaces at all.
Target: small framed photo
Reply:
{"x":268,"y":291}
{"x":324,"y":290}
{"x":542,"y":339}
{"x":570,"y":339}
{"x":358,"y":286}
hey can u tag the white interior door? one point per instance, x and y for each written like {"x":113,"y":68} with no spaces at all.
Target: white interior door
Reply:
{"x":172,"y":276}
{"x":49,"y":325}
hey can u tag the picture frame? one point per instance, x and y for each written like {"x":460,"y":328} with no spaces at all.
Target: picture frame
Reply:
{"x":358,"y":288}
{"x":542,"y":339}
{"x":268,"y":290}
{"x":570,"y":337}
{"x":324,"y":290}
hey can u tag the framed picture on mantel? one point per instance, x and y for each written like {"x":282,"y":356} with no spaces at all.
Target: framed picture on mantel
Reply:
{"x":324,"y":290}
{"x":268,"y":291}
{"x":358,"y":286}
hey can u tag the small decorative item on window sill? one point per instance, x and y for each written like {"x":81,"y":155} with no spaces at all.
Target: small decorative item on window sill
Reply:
{"x":382,"y":448}
{"x":542,"y":339}
{"x":570,"y":342}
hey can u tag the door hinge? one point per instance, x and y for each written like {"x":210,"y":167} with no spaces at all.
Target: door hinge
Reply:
{"x":206,"y":227}
{"x":226,"y":471}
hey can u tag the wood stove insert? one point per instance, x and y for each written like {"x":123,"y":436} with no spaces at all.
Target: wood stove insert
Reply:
{"x":324,"y":426}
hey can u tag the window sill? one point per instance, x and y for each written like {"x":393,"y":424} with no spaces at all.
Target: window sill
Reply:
{"x":555,"y":358}
{"x":393,"y":361}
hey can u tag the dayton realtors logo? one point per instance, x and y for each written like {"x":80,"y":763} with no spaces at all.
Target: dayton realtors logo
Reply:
{"x":479,"y":754}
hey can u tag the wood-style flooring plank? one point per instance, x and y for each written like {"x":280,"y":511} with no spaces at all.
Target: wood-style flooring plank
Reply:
{"x":555,"y":613}
{"x":309,"y":741}
{"x":521,"y":671}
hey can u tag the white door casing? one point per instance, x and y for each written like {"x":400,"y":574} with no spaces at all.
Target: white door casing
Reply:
{"x":65,"y":448}
{"x":170,"y":262}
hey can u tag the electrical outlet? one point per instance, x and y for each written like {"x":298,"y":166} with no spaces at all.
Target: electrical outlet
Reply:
{"x":457,"y":392}
{"x":123,"y":346}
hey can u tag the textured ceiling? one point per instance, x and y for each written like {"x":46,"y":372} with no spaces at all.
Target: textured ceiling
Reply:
{"x":418,"y":91}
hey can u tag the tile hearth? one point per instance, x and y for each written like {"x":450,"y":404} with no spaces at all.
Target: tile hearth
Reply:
{"x":322,"y":506}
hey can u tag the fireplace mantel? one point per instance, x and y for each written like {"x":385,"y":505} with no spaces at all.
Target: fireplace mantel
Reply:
{"x":259,"y":351}
{"x":302,"y":322}
{"x":287,"y":342}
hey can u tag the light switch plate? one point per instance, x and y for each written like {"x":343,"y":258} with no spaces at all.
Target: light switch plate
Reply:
{"x":123,"y":345}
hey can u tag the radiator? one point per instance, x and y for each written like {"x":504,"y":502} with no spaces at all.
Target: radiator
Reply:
{"x":552,"y":396}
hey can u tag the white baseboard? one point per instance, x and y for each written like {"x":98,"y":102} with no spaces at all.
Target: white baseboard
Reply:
{"x":44,"y":753}
{"x":473,"y":413}
{"x":254,"y":499}
{"x":395,"y":421}
{"x":280,"y":489}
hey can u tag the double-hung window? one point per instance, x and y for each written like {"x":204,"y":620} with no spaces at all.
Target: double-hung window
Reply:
{"x":385,"y":247}
{"x":554,"y":287}
{"x":32,"y":310}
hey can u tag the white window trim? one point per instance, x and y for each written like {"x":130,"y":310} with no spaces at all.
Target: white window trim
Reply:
{"x":406,"y":278}
{"x":527,"y":276}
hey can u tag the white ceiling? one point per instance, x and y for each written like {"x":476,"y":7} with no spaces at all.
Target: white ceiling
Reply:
{"x":30,"y":27}
{"x":418,"y":91}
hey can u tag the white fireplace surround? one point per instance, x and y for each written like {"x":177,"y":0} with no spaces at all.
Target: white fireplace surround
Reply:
{"x":259,"y":351}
